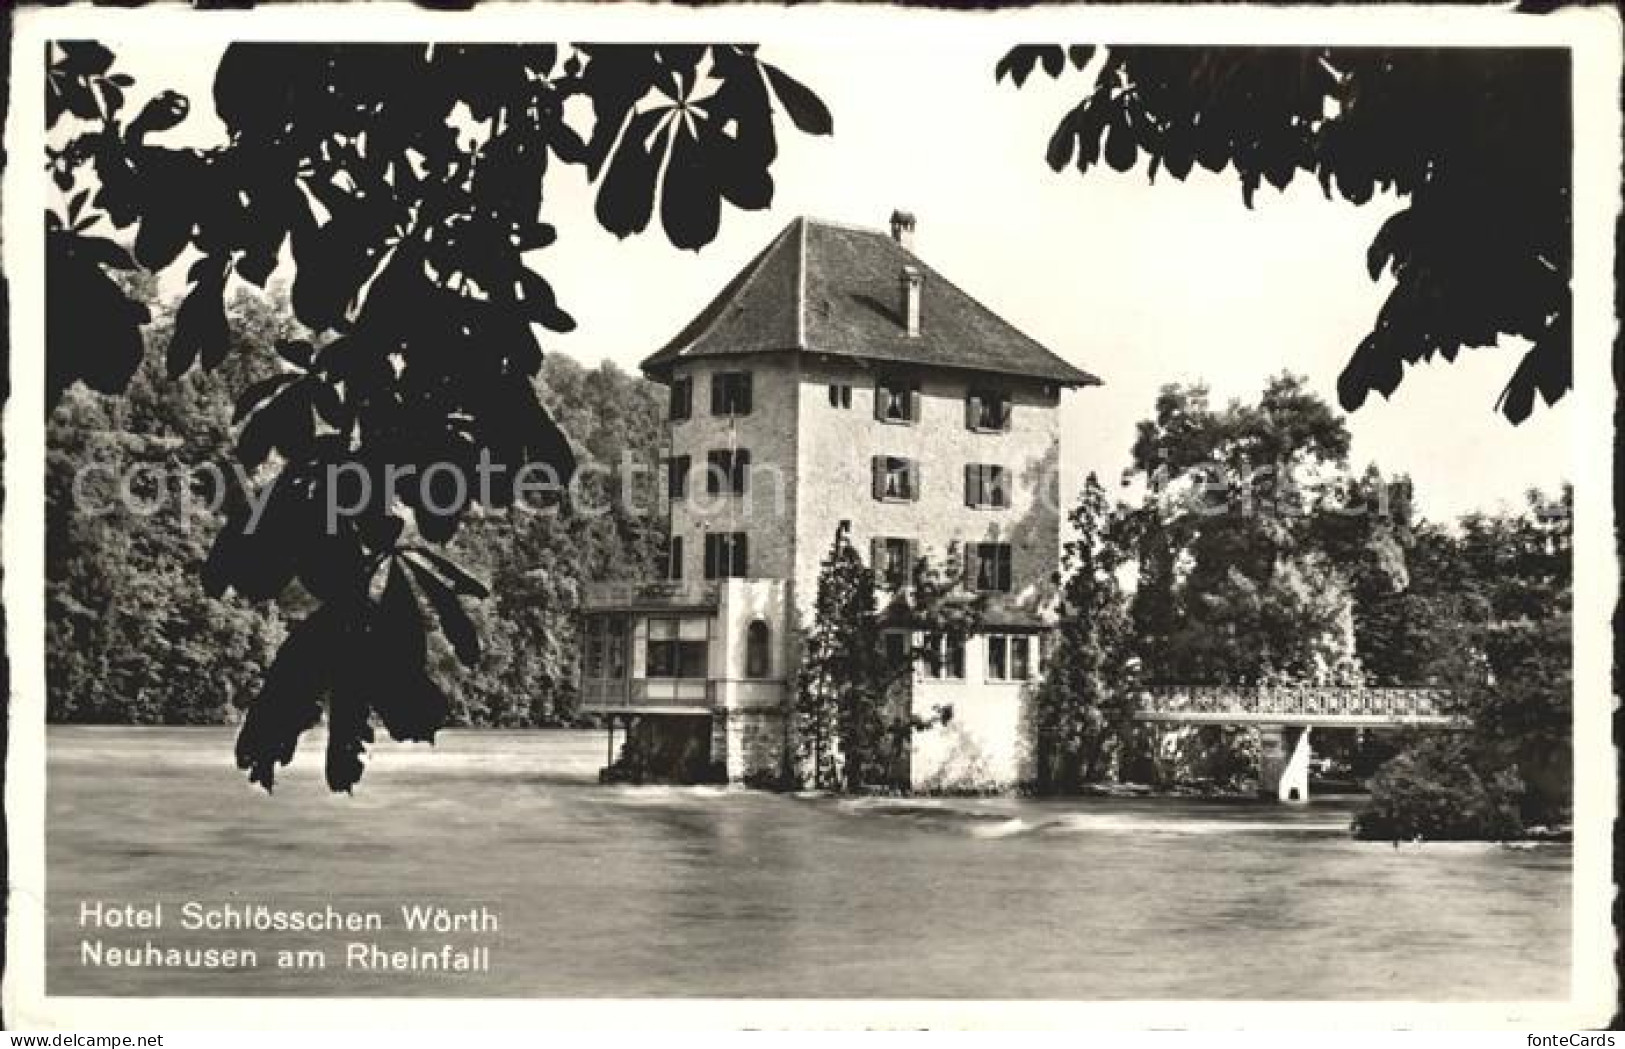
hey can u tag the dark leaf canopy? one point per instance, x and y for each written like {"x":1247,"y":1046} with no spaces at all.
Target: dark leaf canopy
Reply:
{"x":403,"y":189}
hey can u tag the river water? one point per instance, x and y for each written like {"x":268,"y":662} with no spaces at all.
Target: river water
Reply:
{"x":657,"y":891}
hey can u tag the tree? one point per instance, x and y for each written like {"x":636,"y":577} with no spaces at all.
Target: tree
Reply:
{"x":1243,"y":535}
{"x":131,"y":636}
{"x":1509,"y":666}
{"x":1476,"y":140}
{"x":1086,"y":694}
{"x":841,"y":683}
{"x":405,"y":185}
{"x":854,"y":712}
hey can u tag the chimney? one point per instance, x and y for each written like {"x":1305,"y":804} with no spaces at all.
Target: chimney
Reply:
{"x":902,"y":229}
{"x":911,"y":281}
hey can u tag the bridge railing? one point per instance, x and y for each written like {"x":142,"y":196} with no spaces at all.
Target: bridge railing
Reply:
{"x":1296,"y":700}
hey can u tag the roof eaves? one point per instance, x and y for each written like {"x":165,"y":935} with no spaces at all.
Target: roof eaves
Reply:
{"x":801,"y":285}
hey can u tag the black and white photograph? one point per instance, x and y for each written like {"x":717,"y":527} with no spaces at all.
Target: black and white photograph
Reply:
{"x":891,"y":509}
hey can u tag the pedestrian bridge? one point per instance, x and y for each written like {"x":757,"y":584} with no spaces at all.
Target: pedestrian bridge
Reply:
{"x":1284,"y":717}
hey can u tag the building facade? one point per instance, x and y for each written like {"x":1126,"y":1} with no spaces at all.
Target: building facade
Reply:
{"x":837,"y":380}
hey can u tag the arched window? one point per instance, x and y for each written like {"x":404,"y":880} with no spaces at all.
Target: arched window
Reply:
{"x":757,"y":658}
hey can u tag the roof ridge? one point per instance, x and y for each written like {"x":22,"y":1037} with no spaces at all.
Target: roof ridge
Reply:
{"x":801,"y":224}
{"x":850,"y":227}
{"x":756,"y":266}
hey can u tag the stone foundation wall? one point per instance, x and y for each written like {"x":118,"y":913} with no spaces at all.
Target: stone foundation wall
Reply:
{"x":749,"y":744}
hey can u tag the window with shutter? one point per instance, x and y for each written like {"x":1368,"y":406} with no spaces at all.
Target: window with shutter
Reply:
{"x":897,"y":400}
{"x":892,"y":561}
{"x":999,"y":495}
{"x":988,"y":411}
{"x":730,"y":393}
{"x":986,"y":485}
{"x":674,"y":558}
{"x":726,"y":555}
{"x":677,"y":468}
{"x":993,"y":567}
{"x":895,"y":479}
{"x":682,"y":398}
{"x":726,"y":470}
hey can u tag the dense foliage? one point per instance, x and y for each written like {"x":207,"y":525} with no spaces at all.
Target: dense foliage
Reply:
{"x":1508,"y":657}
{"x":134,"y":638}
{"x":402,"y":187}
{"x":1250,"y":534}
{"x":1475,"y":141}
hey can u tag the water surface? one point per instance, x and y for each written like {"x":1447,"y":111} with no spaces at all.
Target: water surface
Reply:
{"x":659,"y":891}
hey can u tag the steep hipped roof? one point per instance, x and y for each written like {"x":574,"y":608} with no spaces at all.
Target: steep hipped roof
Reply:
{"x":826,"y":288}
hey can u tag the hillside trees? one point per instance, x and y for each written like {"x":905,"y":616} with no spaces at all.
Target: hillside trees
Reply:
{"x":134,"y":638}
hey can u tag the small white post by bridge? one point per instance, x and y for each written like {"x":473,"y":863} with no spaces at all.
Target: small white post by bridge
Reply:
{"x":1283,"y":717}
{"x":1283,"y":762}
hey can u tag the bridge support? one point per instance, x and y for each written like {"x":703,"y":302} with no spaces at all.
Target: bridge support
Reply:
{"x":1283,"y":762}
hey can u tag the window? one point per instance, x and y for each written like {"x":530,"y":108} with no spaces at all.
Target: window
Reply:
{"x":1020,"y":658}
{"x":1009,"y":657}
{"x":677,"y":647}
{"x":615,"y":646}
{"x":945,"y":656}
{"x":992,"y":563}
{"x":840,"y":395}
{"x":677,"y":468}
{"x":730,"y":393}
{"x":895,"y":479}
{"x":725,"y":555}
{"x":757,"y":656}
{"x":592,"y":647}
{"x":603,"y":643}
{"x":674,"y":558}
{"x":892,"y":559}
{"x":998,"y":657}
{"x":725,"y":471}
{"x":682,"y":398}
{"x":897,"y":400}
{"x":987,"y":410}
{"x":986,"y":485}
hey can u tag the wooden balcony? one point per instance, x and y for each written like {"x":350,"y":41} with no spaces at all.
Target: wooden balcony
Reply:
{"x":655,"y":596}
{"x":647,"y":696}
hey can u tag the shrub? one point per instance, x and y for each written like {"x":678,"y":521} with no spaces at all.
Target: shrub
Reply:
{"x":1436,"y":792}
